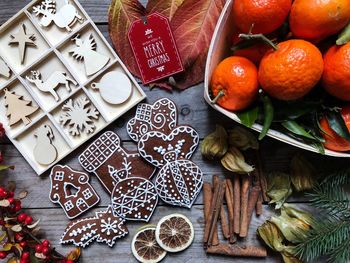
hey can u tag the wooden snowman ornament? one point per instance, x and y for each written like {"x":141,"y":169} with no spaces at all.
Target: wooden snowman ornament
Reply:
{"x":44,"y":151}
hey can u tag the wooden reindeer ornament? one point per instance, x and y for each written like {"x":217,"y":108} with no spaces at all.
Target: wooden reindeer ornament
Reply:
{"x":55,"y":80}
{"x":44,"y":151}
{"x":65,"y":17}
{"x":86,"y":50}
{"x":22,"y":39}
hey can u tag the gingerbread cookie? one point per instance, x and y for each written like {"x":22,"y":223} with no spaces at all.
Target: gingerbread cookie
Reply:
{"x":179,"y":181}
{"x":105,"y":227}
{"x":111,"y":163}
{"x":135,"y":199}
{"x":161,"y":116}
{"x":71,"y":189}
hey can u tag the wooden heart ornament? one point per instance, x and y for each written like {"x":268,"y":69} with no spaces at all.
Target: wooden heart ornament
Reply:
{"x":161,"y":116}
{"x":135,"y":199}
{"x":159,"y":148}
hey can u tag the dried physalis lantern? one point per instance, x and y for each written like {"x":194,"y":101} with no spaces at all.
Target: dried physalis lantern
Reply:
{"x":234,"y":161}
{"x":215,"y":145}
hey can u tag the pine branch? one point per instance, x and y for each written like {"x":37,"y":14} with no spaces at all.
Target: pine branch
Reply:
{"x":341,"y":253}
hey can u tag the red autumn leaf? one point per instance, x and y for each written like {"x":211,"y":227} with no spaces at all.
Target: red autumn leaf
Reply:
{"x":164,"y":7}
{"x":122,"y":13}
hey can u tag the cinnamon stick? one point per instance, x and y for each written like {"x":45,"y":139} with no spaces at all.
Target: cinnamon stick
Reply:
{"x":259,"y":205}
{"x":236,"y":203}
{"x":253,"y":199}
{"x":207,"y":196}
{"x":244,"y":205}
{"x":262,"y":177}
{"x":236,"y":251}
{"x":210,"y":199}
{"x":229,"y":202}
{"x":223,"y":218}
{"x":216,"y":207}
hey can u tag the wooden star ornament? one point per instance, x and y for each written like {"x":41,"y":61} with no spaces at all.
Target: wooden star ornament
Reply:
{"x":22,"y":39}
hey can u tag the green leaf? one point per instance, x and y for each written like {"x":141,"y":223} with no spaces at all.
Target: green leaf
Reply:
{"x":269,"y":113}
{"x":5,"y":167}
{"x":337,"y":123}
{"x":319,"y":147}
{"x":295,"y":128}
{"x":249,"y":117}
{"x":294,"y":110}
{"x":344,"y":36}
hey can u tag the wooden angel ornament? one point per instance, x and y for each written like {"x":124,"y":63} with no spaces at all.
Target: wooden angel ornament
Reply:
{"x":22,"y":39}
{"x":65,"y":17}
{"x":85,"y":50}
{"x":55,"y":80}
{"x":18,"y":109}
{"x":45,"y":152}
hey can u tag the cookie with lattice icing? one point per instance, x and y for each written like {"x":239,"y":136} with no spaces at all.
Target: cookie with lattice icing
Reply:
{"x":160,"y":116}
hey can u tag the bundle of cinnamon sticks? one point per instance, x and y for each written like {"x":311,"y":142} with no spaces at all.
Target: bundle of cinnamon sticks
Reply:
{"x":243,"y":194}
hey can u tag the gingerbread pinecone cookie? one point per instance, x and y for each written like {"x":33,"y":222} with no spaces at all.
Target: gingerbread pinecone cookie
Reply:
{"x":112,"y":163}
{"x":179,"y":180}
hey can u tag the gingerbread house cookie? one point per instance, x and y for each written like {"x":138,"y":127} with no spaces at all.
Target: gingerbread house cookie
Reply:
{"x":111,"y":163}
{"x":160,"y":116}
{"x":72,"y":190}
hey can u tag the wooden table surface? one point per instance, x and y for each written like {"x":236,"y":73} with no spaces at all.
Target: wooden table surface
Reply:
{"x":193,"y":110}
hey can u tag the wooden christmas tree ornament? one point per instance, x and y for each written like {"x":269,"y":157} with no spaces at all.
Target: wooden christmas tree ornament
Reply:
{"x":18,"y":109}
{"x":4,"y":69}
{"x":65,"y":17}
{"x":55,"y":80}
{"x":45,"y":152}
{"x":22,"y":39}
{"x":86,"y":51}
{"x":115,"y":87}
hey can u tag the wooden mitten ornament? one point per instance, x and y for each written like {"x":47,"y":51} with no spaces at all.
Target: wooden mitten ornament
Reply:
{"x":4,"y":69}
{"x":65,"y":17}
{"x":55,"y":80}
{"x":111,"y":163}
{"x":44,"y":151}
{"x":71,"y":189}
{"x":135,"y":199}
{"x":179,"y":181}
{"x":22,"y":40}
{"x":161,"y":116}
{"x":86,"y":51}
{"x":18,"y":109}
{"x":105,"y":227}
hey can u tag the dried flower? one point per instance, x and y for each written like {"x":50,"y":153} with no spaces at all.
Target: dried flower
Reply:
{"x":214,"y":146}
{"x":279,"y":188}
{"x":303,"y":174}
{"x":242,"y":139}
{"x":234,"y":161}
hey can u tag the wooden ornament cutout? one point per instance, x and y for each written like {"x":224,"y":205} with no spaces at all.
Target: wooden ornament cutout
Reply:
{"x":44,"y":151}
{"x":115,"y":87}
{"x":65,"y":17}
{"x":79,"y":115}
{"x":4,"y":69}
{"x":86,"y":51}
{"x":18,"y":109}
{"x":55,"y":80}
{"x":22,"y":39}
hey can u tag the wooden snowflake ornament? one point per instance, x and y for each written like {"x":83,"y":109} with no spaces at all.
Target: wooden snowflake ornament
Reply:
{"x":79,"y":116}
{"x":105,"y":227}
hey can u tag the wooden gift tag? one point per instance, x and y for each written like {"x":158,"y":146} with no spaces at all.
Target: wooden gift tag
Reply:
{"x":154,"y":48}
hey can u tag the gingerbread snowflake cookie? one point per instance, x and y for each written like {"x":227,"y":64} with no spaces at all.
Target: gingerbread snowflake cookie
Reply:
{"x":71,"y":189}
{"x":179,"y":180}
{"x":135,"y":199}
{"x":160,"y":116}
{"x":112,"y":163}
{"x":105,"y":227}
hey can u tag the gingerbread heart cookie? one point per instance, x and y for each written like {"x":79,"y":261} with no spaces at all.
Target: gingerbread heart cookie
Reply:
{"x":111,"y":162}
{"x":161,"y":116}
{"x":135,"y":199}
{"x":159,"y":148}
{"x":105,"y":227}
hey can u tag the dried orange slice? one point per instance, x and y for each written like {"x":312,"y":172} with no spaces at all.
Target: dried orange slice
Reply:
{"x":145,"y":247}
{"x":174,"y":233}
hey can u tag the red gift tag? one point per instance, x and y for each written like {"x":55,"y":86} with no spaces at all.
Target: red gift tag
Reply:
{"x":154,"y":47}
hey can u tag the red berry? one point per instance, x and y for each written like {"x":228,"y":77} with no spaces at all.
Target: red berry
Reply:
{"x":23,"y":261}
{"x":38,"y":248}
{"x":22,"y":217}
{"x":18,"y":207}
{"x":46,"y":243}
{"x":23,"y":244}
{"x":3,"y":254}
{"x":3,"y":194}
{"x":69,"y":261}
{"x":46,"y":251}
{"x":28,"y":220}
{"x":26,"y":255}
{"x":19,"y":236}
{"x":11,"y":194}
{"x":2,"y":222}
{"x":11,"y":200}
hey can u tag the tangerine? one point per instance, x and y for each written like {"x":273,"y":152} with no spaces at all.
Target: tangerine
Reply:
{"x":254,"y":53}
{"x":336,"y":74}
{"x":264,"y":15}
{"x":236,"y":78}
{"x":291,"y":71}
{"x":314,"y":20}
{"x":333,"y":140}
